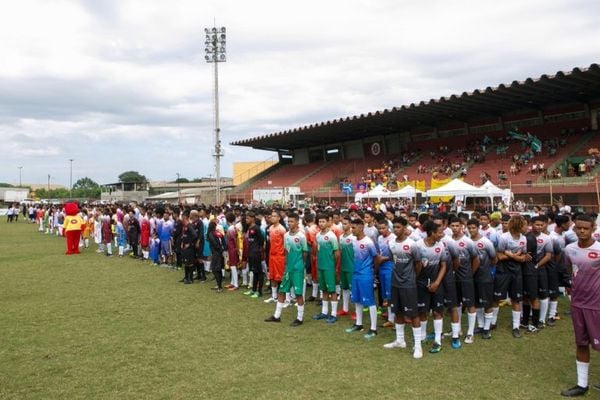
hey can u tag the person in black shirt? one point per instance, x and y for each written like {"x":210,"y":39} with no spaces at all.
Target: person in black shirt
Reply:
{"x":216,"y":241}
{"x":256,"y":243}
{"x":189,"y":237}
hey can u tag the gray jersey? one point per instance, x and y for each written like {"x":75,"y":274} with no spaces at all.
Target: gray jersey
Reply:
{"x":487,"y":252}
{"x":373,"y":234}
{"x":465,"y":251}
{"x":506,"y":242}
{"x":544,"y":245}
{"x":431,"y":257}
{"x":405,"y":255}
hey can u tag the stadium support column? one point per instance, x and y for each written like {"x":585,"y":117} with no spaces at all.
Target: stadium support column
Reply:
{"x":215,"y":53}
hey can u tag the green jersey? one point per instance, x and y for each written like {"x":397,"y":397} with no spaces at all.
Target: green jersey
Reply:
{"x":295,"y":245}
{"x":347,"y":252}
{"x":327,"y":244}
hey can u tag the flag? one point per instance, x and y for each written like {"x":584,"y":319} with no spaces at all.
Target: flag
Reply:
{"x":347,"y":188}
{"x":534,"y":143}
{"x":517,"y":135}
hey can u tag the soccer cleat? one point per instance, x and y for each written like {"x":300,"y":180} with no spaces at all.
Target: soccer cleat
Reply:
{"x":249,"y":293}
{"x":229,"y":286}
{"x":270,"y":300}
{"x":354,"y":328}
{"x":187,"y":282}
{"x":219,"y":290}
{"x":540,"y":325}
{"x":456,"y":343}
{"x":574,"y":391}
{"x":388,"y":324}
{"x":485,"y":334}
{"x":215,"y":288}
{"x":395,"y":345}
{"x":343,"y":313}
{"x":370,"y":334}
{"x":516,"y":333}
{"x":436,"y":348}
{"x":296,"y":322}
{"x":531,"y":329}
{"x":551,"y":321}
{"x":418,"y":353}
{"x":331,"y":320}
{"x":319,"y":316}
{"x":286,"y":304}
{"x":478,"y":330}
{"x":255,"y":296}
{"x":233,"y":288}
{"x":272,"y":318}
{"x":469,"y":339}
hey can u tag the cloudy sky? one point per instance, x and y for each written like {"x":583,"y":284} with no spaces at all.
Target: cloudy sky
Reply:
{"x":122,"y":85}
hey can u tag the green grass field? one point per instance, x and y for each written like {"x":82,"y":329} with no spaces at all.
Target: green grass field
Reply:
{"x":89,"y":326}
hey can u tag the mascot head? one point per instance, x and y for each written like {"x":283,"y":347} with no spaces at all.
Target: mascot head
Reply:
{"x":71,"y":208}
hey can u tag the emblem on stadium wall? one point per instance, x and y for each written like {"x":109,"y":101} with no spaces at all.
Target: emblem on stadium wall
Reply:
{"x":375,"y":148}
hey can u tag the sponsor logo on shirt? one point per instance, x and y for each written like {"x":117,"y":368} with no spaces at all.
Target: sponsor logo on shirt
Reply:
{"x":593,"y":255}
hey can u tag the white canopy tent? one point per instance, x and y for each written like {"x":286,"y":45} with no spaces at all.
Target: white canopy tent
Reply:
{"x":378,"y":192}
{"x":407,"y":191}
{"x":456,"y":187}
{"x":495,"y":191}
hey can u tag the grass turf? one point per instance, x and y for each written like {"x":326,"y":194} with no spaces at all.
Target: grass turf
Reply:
{"x":89,"y":326}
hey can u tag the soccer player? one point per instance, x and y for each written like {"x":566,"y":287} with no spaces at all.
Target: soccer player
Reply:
{"x":189,"y":236}
{"x":365,"y":257}
{"x":296,"y":250}
{"x":232,"y":250}
{"x":430,"y":292}
{"x":385,"y":268}
{"x":312,"y":230}
{"x":276,"y":254}
{"x":407,"y":266}
{"x":541,"y":252}
{"x":164,"y":229}
{"x":328,"y":254}
{"x":583,"y":257}
{"x":256,"y":243}
{"x":464,"y":251}
{"x":347,"y":262}
{"x":512,"y":253}
{"x":557,"y":235}
{"x":483,"y":278}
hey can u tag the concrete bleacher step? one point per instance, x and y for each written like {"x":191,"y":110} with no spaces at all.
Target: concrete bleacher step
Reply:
{"x":312,"y":173}
{"x":581,"y":143}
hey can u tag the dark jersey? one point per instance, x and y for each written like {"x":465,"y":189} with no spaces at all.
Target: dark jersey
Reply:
{"x":405,"y":254}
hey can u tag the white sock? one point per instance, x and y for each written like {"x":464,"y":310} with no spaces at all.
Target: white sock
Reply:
{"x":315,"y":289}
{"x":334,"y":306}
{"x":320,"y":294}
{"x":553,"y":309}
{"x":438,"y":325}
{"x":234,"y":276}
{"x":325,"y":307}
{"x":495,"y":315}
{"x":516,"y":319}
{"x":400,"y":333}
{"x":582,"y":373}
{"x":359,"y":313}
{"x":391,"y":315}
{"x":86,"y":242}
{"x":304,"y":288}
{"x":288,"y":297}
{"x":278,"y":309}
{"x":487,"y":321}
{"x":207,"y":266}
{"x":109,"y":248}
{"x":373,"y":316}
{"x":245,"y":276}
{"x":479,"y":317}
{"x":471,"y":317}
{"x":250,"y":278}
{"x":345,"y":299}
{"x":338,"y":289}
{"x":423,"y":330}
{"x":274,"y":291}
{"x":300,"y":316}
{"x":121,"y":250}
{"x":459,"y":311}
{"x":455,"y":329}
{"x":416,"y":336}
{"x":543,"y":309}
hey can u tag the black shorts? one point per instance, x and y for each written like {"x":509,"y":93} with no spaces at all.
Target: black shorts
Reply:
{"x":508,"y":281}
{"x":404,"y":301}
{"x":465,"y":292}
{"x":531,"y":286}
{"x":543,"y":282}
{"x":255,"y":264}
{"x":484,"y":297}
{"x":553,"y":281}
{"x":450,"y":296}
{"x":430,"y":301}
{"x":564,"y":276}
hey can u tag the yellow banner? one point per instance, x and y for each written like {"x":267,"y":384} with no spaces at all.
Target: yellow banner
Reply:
{"x":436,"y":183}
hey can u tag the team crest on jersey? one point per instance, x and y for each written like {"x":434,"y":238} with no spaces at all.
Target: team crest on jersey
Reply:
{"x":326,"y":238}
{"x":251,"y":231}
{"x":461,"y":244}
{"x":521,"y":243}
{"x":406,"y":247}
{"x":593,"y":255}
{"x":296,"y":240}
{"x":437,"y":249}
{"x":362,"y":246}
{"x":348,"y":240}
{"x":540,"y":241}
{"x":480,"y":245}
{"x":73,"y":221}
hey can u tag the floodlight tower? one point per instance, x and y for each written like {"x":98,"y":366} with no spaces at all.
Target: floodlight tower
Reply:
{"x":215,"y":53}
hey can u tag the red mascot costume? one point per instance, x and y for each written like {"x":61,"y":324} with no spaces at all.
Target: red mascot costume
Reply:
{"x":72,"y":228}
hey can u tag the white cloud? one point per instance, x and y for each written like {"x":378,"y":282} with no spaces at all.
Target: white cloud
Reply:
{"x":123,"y":84}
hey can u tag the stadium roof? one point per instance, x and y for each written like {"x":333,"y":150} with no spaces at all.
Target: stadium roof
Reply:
{"x":581,"y":85}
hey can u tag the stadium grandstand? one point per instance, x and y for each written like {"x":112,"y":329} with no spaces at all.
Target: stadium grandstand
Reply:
{"x":538,"y":137}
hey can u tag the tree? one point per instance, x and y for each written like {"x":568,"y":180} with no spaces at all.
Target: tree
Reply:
{"x":3,"y":184}
{"x":182,"y":180}
{"x":86,"y":187}
{"x":132,"y":177}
